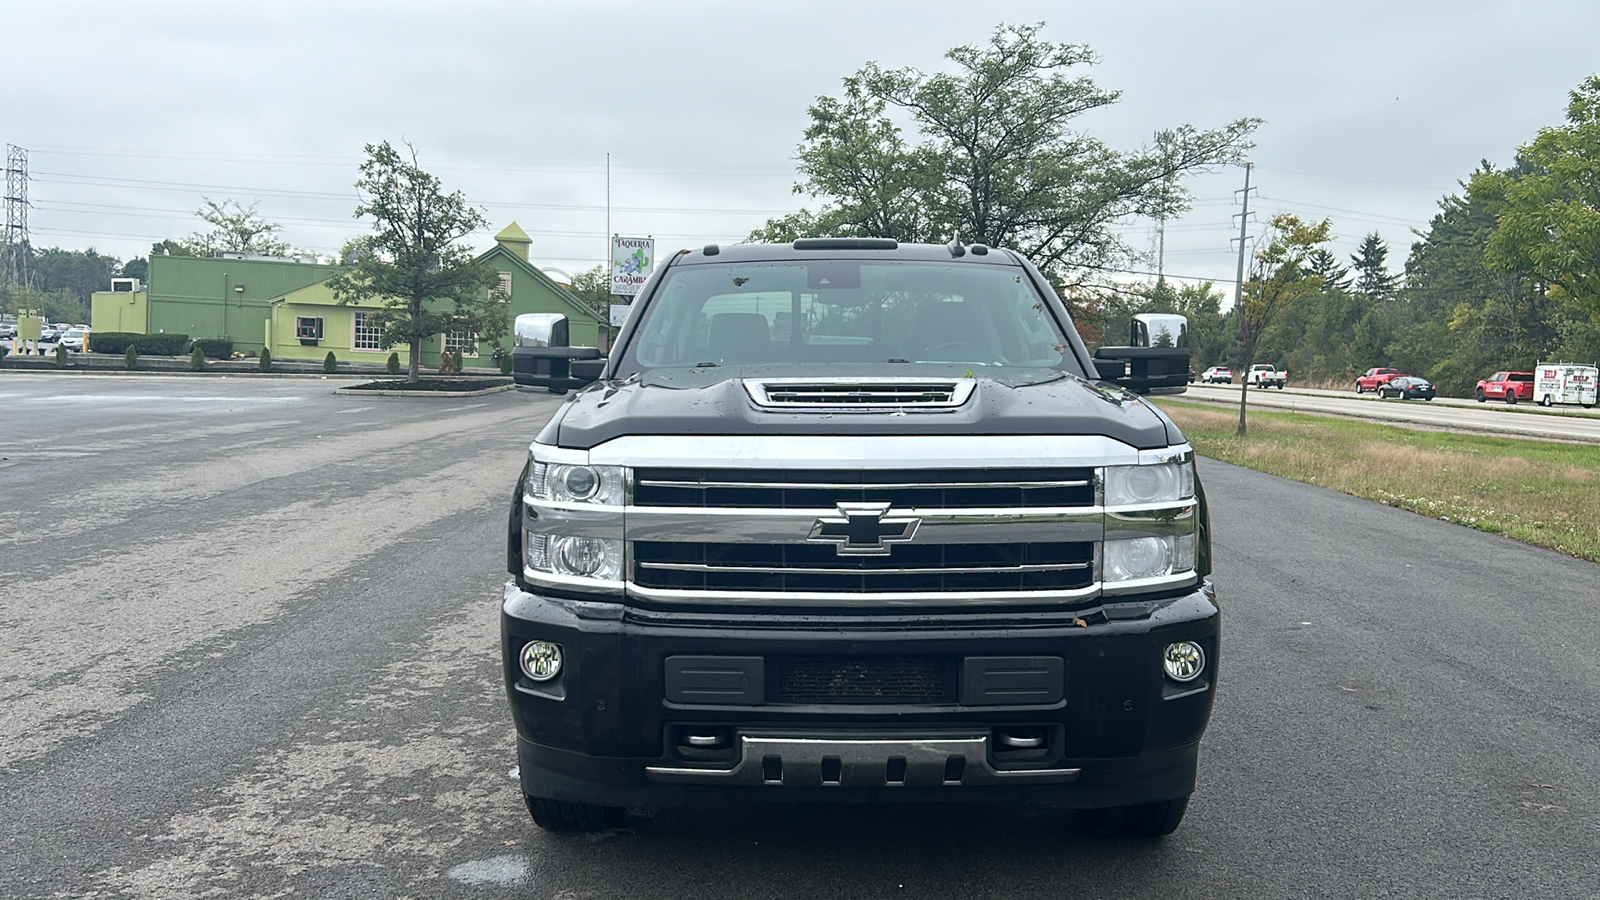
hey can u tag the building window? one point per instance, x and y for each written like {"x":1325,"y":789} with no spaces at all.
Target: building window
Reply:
{"x":503,"y":289}
{"x":458,"y":340}
{"x":308,"y":328}
{"x":364,"y":334}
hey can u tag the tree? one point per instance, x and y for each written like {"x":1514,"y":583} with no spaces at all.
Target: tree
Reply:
{"x":593,"y":287}
{"x":413,"y":265}
{"x":1326,"y":266}
{"x":1277,"y":281}
{"x":1548,"y":212}
{"x":992,"y":158}
{"x":1372,"y":269}
{"x":235,"y":228}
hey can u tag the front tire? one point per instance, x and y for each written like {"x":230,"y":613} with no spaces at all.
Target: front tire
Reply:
{"x":1511,"y":398}
{"x":1360,"y":389}
{"x":1480,"y":395}
{"x":559,"y":816}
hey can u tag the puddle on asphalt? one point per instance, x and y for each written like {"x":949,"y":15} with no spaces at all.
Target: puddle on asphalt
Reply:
{"x":495,"y":870}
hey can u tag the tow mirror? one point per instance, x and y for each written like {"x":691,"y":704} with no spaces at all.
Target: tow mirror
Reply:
{"x":1157,"y":362}
{"x":541,"y":358}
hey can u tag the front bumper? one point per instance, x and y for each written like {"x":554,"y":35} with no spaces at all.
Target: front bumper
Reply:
{"x":613,"y":728}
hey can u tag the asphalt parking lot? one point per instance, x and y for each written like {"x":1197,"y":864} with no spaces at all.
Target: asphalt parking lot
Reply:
{"x":252,"y":651}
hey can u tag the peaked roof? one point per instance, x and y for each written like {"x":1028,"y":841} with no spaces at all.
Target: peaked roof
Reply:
{"x":530,"y":269}
{"x":513,"y":233}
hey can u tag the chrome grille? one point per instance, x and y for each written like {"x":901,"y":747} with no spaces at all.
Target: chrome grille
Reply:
{"x":822,"y":489}
{"x":816,"y":568}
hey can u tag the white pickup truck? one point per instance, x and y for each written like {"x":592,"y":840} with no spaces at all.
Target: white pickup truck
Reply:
{"x":1265,"y":376}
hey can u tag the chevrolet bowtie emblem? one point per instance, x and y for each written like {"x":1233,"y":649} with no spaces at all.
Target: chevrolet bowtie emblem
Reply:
{"x":863,"y":529}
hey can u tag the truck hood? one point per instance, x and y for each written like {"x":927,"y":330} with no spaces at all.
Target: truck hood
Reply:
{"x":714,"y":401}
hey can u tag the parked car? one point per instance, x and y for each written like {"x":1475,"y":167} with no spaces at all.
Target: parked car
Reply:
{"x":1406,"y":387}
{"x":1507,"y":386}
{"x":73,"y":339}
{"x":1217,"y":375}
{"x":49,"y":334}
{"x":1370,"y":379}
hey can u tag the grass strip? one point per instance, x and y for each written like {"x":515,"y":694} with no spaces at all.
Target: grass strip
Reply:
{"x":1544,"y":493}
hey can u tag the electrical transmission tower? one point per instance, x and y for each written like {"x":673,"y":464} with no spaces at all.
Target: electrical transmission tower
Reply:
{"x":17,"y":247}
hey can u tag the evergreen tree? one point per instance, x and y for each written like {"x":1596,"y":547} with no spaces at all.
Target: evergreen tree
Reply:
{"x":1326,"y":266}
{"x":1371,"y":263}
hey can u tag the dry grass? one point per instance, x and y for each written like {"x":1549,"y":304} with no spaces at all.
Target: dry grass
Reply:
{"x":1542,"y":492}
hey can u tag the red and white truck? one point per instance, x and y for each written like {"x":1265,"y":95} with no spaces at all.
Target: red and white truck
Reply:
{"x":1565,"y":383}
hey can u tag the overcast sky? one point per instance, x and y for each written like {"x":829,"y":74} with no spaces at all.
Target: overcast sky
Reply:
{"x":131,"y":111}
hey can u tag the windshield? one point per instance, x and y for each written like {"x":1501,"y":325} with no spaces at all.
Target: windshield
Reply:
{"x":833,"y":311}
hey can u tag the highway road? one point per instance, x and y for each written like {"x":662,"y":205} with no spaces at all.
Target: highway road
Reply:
{"x":250,"y":644}
{"x":1572,"y":423}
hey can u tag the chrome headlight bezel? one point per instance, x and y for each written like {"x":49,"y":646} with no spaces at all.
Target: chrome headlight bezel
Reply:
{"x":1151,"y":521}
{"x":572,"y":521}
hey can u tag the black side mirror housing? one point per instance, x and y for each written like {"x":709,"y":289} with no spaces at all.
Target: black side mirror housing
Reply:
{"x":1145,"y":370}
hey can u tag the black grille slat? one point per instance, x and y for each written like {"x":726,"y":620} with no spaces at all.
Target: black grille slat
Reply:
{"x":923,"y":489}
{"x":819,"y":568}
{"x":888,"y":680}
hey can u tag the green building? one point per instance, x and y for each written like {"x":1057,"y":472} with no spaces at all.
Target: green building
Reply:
{"x":286,"y":304}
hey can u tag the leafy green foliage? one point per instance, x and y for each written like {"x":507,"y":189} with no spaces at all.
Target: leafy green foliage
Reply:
{"x":1372,"y":276}
{"x":61,"y":357}
{"x":330,"y":363}
{"x":266,"y":360}
{"x":392,"y":365}
{"x":130,"y":358}
{"x":1278,"y":280}
{"x":413,"y":265}
{"x":993,"y":158}
{"x":215,"y":348}
{"x":197,"y":360}
{"x":151,"y":344}
{"x":1548,"y":211}
{"x":235,"y":228}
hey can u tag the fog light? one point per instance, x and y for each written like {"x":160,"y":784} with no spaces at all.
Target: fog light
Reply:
{"x":541,"y":660}
{"x":1184,"y":661}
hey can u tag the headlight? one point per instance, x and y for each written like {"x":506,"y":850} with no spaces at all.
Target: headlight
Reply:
{"x":1165,"y":482}
{"x":1131,"y":559}
{"x":579,"y":557}
{"x":568,"y":483}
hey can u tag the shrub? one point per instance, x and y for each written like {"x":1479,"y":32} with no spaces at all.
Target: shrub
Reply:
{"x":447,"y":364}
{"x":393,"y":365}
{"x":4,"y":350}
{"x":330,"y":363}
{"x":130,"y":358}
{"x":505,"y":365}
{"x":61,"y":357}
{"x":458,"y":365}
{"x":215,"y":348}
{"x":111,"y":341}
{"x":266,"y":360}
{"x":151,"y":344}
{"x":197,"y":359}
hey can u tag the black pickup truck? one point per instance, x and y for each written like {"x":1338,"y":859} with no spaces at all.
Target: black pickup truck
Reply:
{"x":851,"y":520}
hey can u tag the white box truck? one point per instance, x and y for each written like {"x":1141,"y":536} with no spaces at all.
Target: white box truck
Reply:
{"x":1565,"y":383}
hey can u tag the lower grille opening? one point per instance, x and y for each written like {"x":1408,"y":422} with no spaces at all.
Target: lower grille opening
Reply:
{"x":885,"y":681}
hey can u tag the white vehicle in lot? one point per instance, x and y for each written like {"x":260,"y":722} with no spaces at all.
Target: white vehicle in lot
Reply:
{"x":1565,"y":383}
{"x":1264,"y":375}
{"x":73,"y":339}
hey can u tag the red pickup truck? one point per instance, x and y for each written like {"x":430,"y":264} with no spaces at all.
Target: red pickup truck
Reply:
{"x":1370,"y":379}
{"x":1507,"y":386}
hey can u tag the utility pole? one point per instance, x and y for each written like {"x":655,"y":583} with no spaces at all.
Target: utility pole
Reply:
{"x":1244,"y":218}
{"x":1238,"y":296}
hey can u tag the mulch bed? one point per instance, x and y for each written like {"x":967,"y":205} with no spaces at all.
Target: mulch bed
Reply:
{"x":432,"y":384}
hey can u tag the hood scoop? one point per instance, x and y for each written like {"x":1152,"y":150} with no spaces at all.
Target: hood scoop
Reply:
{"x":859,"y":393}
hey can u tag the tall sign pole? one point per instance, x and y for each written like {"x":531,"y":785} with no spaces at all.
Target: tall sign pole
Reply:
{"x":1244,"y":219}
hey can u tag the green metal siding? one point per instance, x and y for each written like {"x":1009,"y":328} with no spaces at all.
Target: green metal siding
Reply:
{"x":197,"y":296}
